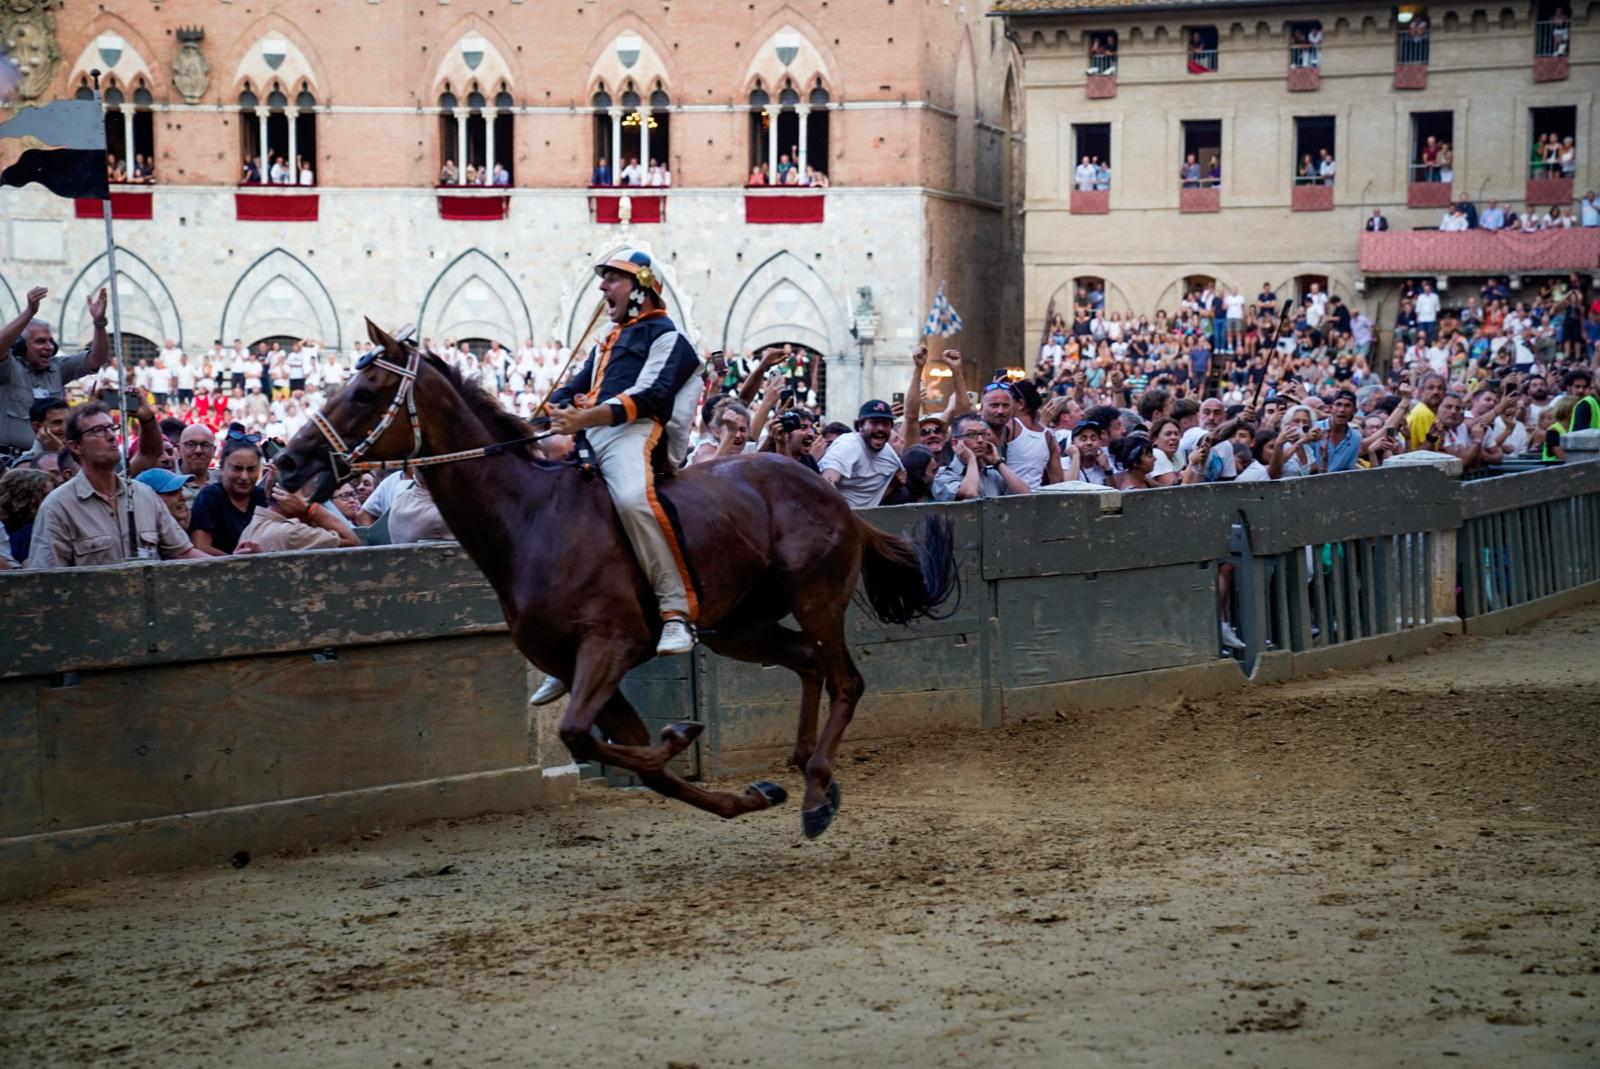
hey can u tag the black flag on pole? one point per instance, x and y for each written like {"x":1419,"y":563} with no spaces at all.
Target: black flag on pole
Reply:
{"x":77,"y":166}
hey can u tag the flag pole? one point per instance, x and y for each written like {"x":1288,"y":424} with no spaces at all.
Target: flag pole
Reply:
{"x":116,"y":350}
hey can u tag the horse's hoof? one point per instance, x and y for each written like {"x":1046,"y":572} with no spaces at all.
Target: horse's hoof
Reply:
{"x":833,"y":794}
{"x":684,"y":731}
{"x":815,"y":821}
{"x":772,"y":792}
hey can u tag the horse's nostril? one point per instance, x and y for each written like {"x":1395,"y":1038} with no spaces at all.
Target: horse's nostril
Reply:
{"x":286,"y":464}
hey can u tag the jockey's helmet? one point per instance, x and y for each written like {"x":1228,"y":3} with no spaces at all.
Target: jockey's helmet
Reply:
{"x":635,"y":262}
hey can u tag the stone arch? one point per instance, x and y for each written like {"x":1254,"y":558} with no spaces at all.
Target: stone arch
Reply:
{"x":967,"y":108}
{"x":631,"y":53}
{"x":479,"y":57}
{"x":784,"y":299}
{"x":791,"y":49}
{"x":279,"y":295}
{"x":253,"y":65}
{"x":132,"y":60}
{"x":146,"y":305}
{"x":1064,"y":296}
{"x":680,"y":308}
{"x":474,"y":297}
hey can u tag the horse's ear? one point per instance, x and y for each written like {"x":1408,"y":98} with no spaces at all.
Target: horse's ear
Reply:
{"x":376,"y":333}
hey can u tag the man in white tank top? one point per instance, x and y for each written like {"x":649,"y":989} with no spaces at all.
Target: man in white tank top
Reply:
{"x":1030,"y":451}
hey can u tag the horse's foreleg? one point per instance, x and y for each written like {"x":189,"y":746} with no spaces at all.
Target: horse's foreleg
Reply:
{"x":620,"y":722}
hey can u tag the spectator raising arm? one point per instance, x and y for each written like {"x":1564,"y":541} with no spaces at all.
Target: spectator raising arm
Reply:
{"x":12,"y":331}
{"x":959,"y":401}
{"x":913,"y":416}
{"x":152,"y":446}
{"x":770,"y":359}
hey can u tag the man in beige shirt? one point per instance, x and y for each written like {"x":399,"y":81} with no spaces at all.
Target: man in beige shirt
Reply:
{"x":85,"y":520}
{"x":293,"y":522}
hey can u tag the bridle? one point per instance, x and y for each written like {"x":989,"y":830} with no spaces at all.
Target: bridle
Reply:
{"x":349,"y":457}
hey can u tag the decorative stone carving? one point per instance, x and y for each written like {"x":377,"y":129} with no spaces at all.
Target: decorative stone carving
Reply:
{"x":190,"y":71}
{"x":28,"y":34}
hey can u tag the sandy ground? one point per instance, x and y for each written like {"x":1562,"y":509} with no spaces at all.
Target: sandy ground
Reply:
{"x":1398,"y":868}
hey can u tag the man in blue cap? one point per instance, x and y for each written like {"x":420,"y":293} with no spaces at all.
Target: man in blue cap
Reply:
{"x":637,"y":391}
{"x":860,"y":465}
{"x":169,"y":487}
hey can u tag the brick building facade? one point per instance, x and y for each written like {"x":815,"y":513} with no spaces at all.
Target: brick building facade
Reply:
{"x":908,"y":107}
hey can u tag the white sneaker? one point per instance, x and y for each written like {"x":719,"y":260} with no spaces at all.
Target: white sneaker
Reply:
{"x":676,"y":637}
{"x":1230,"y":637}
{"x":551,"y":689}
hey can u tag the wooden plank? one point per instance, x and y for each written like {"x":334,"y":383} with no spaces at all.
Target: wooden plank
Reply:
{"x":45,"y":619}
{"x":1345,"y":505}
{"x":1323,"y":635}
{"x":146,"y":742}
{"x":1502,"y":493}
{"x":1300,"y":594}
{"x":1469,"y":567}
{"x":1369,"y":588}
{"x":1056,"y":628}
{"x":1423,"y":542}
{"x":1067,"y":534}
{"x":1336,"y":594}
{"x":1519,"y":561}
{"x":1281,"y":600}
{"x":21,"y":760}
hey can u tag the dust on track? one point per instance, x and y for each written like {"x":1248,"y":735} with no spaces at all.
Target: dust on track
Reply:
{"x":1393,"y":868}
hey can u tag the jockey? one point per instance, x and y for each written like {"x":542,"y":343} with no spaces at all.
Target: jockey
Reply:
{"x":637,"y":386}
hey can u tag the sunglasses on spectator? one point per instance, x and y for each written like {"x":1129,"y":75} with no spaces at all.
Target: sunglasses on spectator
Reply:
{"x":993,"y":386}
{"x":241,"y":436}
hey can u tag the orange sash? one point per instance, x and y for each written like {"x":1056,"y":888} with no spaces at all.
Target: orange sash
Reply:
{"x":598,"y":377}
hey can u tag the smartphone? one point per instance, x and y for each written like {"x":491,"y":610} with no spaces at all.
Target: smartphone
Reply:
{"x":898,"y":398}
{"x":1391,"y":432}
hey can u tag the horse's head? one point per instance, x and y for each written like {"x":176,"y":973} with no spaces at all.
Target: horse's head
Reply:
{"x":373,"y":418}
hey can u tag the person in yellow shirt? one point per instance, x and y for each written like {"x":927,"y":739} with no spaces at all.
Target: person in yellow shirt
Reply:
{"x":1419,"y":421}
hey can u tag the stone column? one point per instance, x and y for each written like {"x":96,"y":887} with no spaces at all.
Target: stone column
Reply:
{"x":644,"y":138}
{"x":773,"y":111}
{"x":488,"y":145}
{"x":461,"y":144}
{"x":127,"y":139}
{"x":804,"y":111}
{"x":261,"y":120}
{"x":616,"y":145}
{"x":294,"y":145}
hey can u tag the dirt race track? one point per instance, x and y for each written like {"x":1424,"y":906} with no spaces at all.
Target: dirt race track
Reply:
{"x":1395,"y":868}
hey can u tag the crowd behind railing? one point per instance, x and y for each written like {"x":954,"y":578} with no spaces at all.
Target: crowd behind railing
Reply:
{"x":1465,"y":215}
{"x":1221,"y":388}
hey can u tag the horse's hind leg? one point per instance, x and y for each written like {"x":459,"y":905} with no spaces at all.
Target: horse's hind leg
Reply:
{"x":791,"y":649}
{"x":621,"y":723}
{"x":845,"y":687}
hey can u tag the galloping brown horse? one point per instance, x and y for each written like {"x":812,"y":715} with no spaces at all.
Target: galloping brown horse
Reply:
{"x":765,"y":537}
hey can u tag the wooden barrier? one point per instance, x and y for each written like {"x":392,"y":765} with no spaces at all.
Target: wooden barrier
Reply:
{"x":161,"y":714}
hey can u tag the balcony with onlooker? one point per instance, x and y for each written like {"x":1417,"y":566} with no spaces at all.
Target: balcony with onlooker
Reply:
{"x":1557,"y":248}
{"x":1200,"y":185}
{"x":1552,"y":43}
{"x":1553,"y":158}
{"x":1305,"y":57}
{"x":1411,"y":49}
{"x":1432,"y":159}
{"x":1203,"y":50}
{"x":1102,"y":69}
{"x":1091,"y":178}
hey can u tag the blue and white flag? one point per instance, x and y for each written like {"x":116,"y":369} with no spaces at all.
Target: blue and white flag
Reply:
{"x":942,"y":317}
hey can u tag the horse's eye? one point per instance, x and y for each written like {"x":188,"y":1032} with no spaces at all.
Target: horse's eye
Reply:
{"x":362,"y":396}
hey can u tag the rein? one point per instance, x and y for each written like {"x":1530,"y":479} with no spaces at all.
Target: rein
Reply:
{"x":349,"y":457}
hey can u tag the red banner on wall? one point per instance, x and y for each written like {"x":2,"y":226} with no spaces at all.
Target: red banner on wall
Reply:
{"x":607,"y":207}
{"x":125,"y":204}
{"x":783,"y":207}
{"x":275,"y":207}
{"x":470,"y":209}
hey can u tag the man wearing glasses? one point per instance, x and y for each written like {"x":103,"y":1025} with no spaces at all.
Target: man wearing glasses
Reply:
{"x":85,"y":520}
{"x":977,"y":469}
{"x":196,"y":446}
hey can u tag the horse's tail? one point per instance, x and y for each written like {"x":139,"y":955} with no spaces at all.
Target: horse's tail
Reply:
{"x":908,"y":577}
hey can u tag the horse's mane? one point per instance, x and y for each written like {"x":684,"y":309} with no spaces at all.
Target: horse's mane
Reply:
{"x":504,"y":426}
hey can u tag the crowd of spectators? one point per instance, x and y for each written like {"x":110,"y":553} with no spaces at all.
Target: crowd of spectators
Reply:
{"x":1466,"y":215}
{"x":1222,"y":387}
{"x":140,"y":172}
{"x":474,"y":175}
{"x":789,"y":173}
{"x":275,"y":170}
{"x":630,"y":173}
